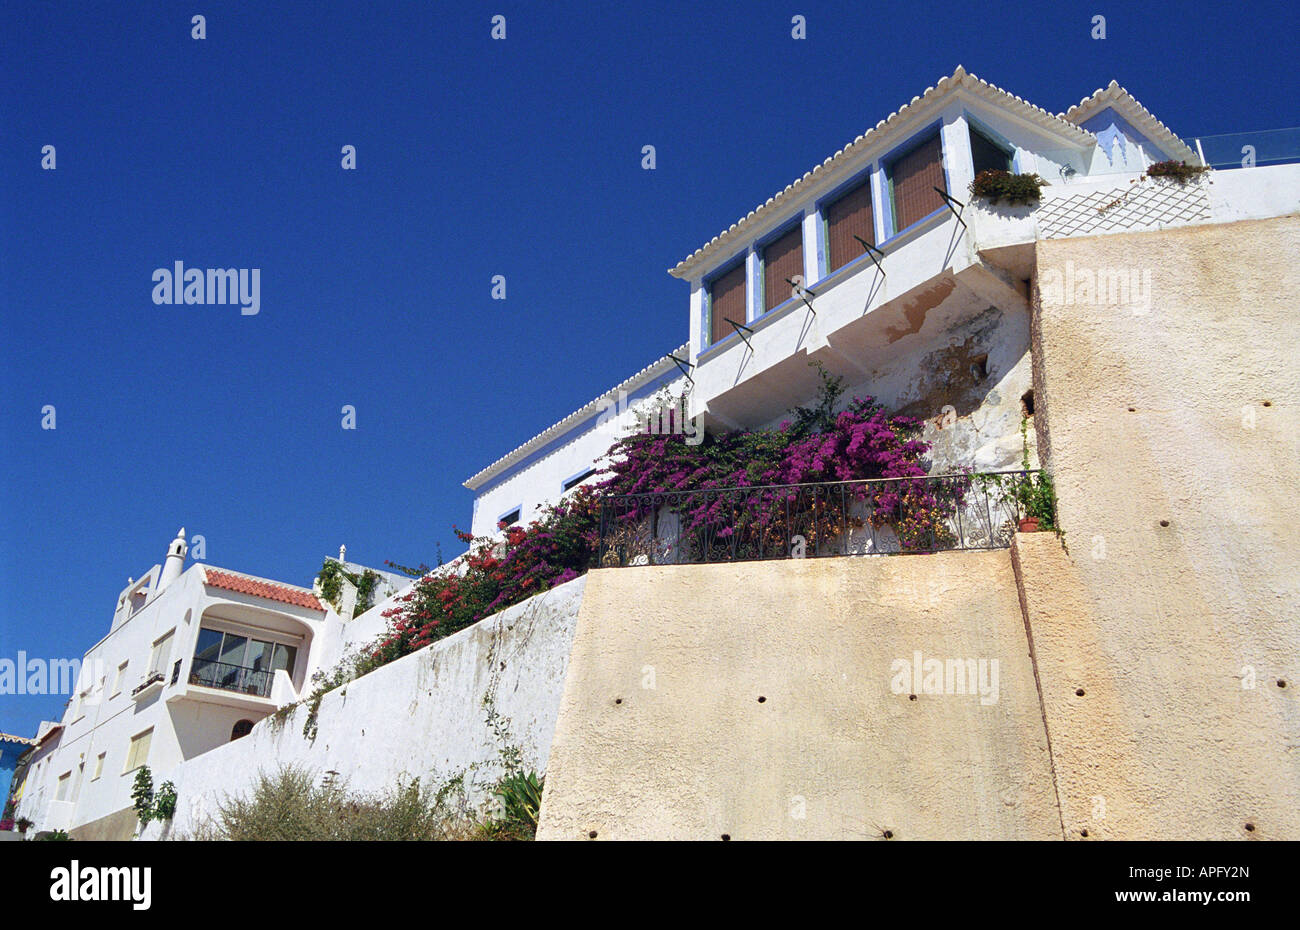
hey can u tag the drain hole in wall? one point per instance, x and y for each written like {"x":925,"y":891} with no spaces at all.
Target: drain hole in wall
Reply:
{"x":1268,"y":403}
{"x":726,"y":837}
{"x":911,"y":697}
{"x":618,"y":700}
{"x":1250,"y":828}
{"x":1164,"y":522}
{"x":887,"y":834}
{"x":1083,"y":832}
{"x":1281,"y":682}
{"x":1027,"y":403}
{"x":761,"y":699}
{"x":591,"y":835}
{"x":1079,"y":693}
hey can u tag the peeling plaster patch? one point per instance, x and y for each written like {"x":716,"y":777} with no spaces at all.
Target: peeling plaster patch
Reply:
{"x":914,"y":311}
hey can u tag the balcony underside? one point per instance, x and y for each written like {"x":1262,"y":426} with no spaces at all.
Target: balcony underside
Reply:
{"x":858,"y":348}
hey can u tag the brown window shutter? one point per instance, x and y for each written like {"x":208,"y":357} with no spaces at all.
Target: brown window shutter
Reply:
{"x":782,"y":260}
{"x":726,"y":301}
{"x":914,"y":177}
{"x":847,"y":217}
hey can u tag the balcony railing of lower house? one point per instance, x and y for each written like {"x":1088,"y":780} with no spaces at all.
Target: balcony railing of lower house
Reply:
{"x":210,"y":674}
{"x":870,"y":517}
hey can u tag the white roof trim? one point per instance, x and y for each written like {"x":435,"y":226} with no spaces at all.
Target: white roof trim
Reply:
{"x":1127,"y":106}
{"x":651,"y":371}
{"x":960,"y":78}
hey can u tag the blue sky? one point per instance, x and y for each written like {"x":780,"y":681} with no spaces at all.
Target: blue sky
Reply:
{"x":475,"y":158}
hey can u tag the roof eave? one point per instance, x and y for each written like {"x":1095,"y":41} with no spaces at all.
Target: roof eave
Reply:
{"x":510,"y":459}
{"x":1132,"y":109}
{"x":829,"y":171}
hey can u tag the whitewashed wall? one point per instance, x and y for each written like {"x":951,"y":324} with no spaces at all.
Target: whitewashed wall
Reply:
{"x":425,"y":715}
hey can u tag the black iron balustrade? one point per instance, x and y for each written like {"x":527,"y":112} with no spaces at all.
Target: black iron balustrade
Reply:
{"x":868,"y":517}
{"x":227,"y":677}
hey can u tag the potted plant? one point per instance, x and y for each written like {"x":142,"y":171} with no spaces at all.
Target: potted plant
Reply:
{"x":1017,"y":190}
{"x":1178,"y":171}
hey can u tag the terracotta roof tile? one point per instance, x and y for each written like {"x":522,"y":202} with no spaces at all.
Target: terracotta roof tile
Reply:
{"x":243,"y":584}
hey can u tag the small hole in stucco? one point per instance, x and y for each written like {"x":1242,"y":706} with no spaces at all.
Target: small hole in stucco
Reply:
{"x":1132,"y":409}
{"x":1164,"y":522}
{"x":887,"y":834}
{"x":726,"y":837}
{"x":1281,"y":682}
{"x":1083,"y":832}
{"x":1268,"y":403}
{"x":618,"y":700}
{"x":1027,"y":403}
{"x":761,"y":699}
{"x":1079,"y":692}
{"x":1250,"y":828}
{"x":911,"y":697}
{"x":591,"y":835}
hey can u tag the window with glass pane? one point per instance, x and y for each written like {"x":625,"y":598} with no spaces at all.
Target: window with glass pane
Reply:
{"x":284,"y":657}
{"x":233,"y":648}
{"x":208,"y":648}
{"x":986,"y":154}
{"x":259,"y":655}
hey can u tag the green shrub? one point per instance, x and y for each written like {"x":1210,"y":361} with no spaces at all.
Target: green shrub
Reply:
{"x":289,"y":805}
{"x":520,"y":796}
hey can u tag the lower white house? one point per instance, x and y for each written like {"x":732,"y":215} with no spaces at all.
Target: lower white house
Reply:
{"x":193,"y":659}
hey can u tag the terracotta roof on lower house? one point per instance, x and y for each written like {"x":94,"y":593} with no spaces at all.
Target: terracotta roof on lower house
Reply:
{"x":243,"y":584}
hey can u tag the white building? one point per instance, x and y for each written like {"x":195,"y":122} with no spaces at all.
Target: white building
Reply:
{"x":933,"y":322}
{"x":192,"y":660}
{"x":875,"y":263}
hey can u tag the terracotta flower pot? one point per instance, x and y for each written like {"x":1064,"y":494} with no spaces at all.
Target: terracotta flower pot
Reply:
{"x":1028,"y":524}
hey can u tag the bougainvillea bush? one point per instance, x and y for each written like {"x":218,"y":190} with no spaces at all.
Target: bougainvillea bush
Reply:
{"x":494,"y":574}
{"x":818,"y":444}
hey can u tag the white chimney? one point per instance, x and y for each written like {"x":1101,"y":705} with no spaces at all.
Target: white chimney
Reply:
{"x":175,"y":560}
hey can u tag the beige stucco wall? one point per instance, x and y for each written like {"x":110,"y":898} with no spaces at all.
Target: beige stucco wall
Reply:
{"x":661,"y":734}
{"x":117,"y":826}
{"x":1165,"y":628}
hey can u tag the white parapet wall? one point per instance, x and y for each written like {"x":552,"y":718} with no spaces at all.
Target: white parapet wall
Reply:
{"x":445,"y":712}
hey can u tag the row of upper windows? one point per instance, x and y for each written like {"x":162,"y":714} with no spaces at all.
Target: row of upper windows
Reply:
{"x":912,"y":181}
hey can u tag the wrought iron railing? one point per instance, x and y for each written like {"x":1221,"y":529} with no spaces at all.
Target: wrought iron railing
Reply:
{"x":880,"y":516}
{"x":227,"y":677}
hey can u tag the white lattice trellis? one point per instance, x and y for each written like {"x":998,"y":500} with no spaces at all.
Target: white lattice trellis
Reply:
{"x":1141,"y":205}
